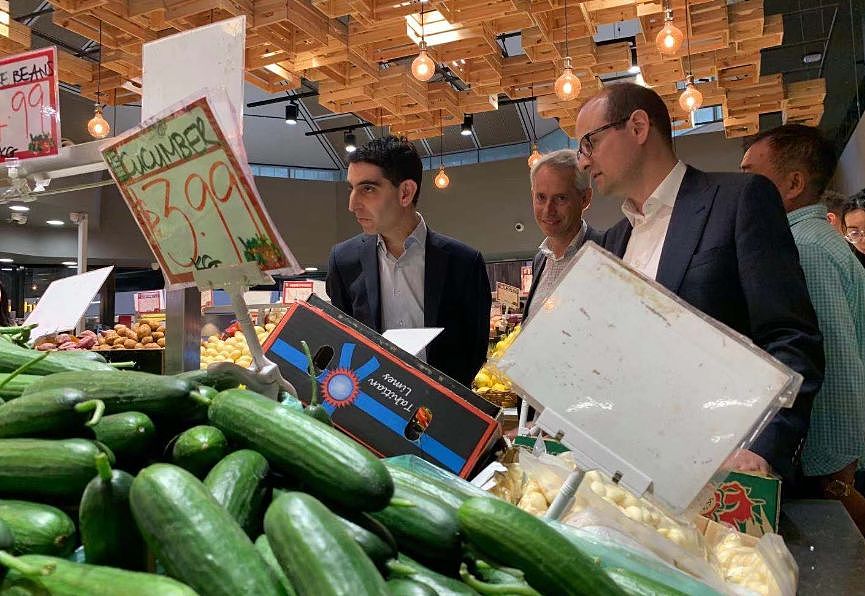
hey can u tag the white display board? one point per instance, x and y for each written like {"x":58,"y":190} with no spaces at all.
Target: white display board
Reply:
{"x":65,"y":300}
{"x":640,"y":385}
{"x":180,"y":65}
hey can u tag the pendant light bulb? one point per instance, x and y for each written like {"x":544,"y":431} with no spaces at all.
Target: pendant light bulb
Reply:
{"x":441,"y":179}
{"x":691,"y":98}
{"x":535,"y":156}
{"x":568,"y":86}
{"x":423,"y":67}
{"x":98,"y":126}
{"x":670,"y":37}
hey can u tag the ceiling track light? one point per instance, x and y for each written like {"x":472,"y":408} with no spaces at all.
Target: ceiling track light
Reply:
{"x":350,"y":142}
{"x":466,"y":126}
{"x":291,"y":114}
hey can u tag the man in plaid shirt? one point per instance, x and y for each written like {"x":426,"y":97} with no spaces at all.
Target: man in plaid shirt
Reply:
{"x":800,"y":162}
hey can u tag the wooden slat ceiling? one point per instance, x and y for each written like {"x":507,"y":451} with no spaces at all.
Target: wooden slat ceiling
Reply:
{"x":359,"y":53}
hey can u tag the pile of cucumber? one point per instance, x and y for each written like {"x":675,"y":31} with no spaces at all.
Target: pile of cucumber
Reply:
{"x":127,"y":483}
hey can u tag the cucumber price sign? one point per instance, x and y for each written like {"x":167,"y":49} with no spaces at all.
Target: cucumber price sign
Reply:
{"x":195,"y":204}
{"x":29,"y":105}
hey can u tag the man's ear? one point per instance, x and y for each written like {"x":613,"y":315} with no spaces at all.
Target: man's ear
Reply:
{"x":407,"y":192}
{"x":796,"y":183}
{"x":640,"y":125}
{"x":587,"y":200}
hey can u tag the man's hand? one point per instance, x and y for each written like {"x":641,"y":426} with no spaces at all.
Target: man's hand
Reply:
{"x":743,"y":460}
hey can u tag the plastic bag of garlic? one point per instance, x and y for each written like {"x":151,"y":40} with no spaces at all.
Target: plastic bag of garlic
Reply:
{"x":735,"y":565}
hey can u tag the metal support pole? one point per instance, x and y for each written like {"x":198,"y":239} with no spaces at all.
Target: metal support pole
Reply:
{"x":80,"y":219}
{"x":182,"y":330}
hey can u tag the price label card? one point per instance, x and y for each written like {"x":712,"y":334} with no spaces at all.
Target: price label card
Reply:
{"x":29,"y":105}
{"x":193,"y":199}
{"x":296,"y":290}
{"x":150,"y":302}
{"x":508,"y":295}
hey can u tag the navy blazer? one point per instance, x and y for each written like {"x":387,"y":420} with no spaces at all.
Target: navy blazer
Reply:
{"x":729,"y":252}
{"x":457,"y":296}
{"x":540,"y":261}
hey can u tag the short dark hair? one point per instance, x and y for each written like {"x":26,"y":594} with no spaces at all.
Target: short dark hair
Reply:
{"x":855,"y":202}
{"x":397,"y":158}
{"x":624,"y":98}
{"x":797,"y":146}
{"x":834,"y":201}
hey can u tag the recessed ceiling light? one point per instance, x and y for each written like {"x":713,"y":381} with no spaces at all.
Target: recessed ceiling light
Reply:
{"x":812,"y":57}
{"x":6,"y":260}
{"x":310,"y":269}
{"x":21,"y":208}
{"x":70,"y":263}
{"x":54,"y":222}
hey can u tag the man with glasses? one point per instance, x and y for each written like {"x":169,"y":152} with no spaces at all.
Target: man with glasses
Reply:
{"x":853,"y":218}
{"x":719,"y":241}
{"x":800,"y":162}
{"x":560,"y":195}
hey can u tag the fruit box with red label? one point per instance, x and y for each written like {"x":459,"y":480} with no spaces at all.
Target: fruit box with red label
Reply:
{"x":381,"y":395}
{"x":748,"y":502}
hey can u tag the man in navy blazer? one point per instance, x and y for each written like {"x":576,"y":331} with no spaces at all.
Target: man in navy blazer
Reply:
{"x":721,"y":242}
{"x":560,"y":195}
{"x":400,"y":274}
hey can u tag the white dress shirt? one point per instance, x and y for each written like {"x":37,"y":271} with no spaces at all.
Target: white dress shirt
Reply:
{"x":401,"y":282}
{"x":650,"y":227}
{"x":553,"y":268}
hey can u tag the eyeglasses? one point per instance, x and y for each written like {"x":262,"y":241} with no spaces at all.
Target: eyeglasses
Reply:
{"x":586,"y":147}
{"x":855,"y":236}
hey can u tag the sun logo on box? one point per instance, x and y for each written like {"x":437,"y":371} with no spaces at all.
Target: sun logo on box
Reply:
{"x":340,"y":387}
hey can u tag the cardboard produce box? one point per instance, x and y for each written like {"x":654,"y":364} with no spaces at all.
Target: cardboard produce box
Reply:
{"x":380,"y":395}
{"x":748,"y":502}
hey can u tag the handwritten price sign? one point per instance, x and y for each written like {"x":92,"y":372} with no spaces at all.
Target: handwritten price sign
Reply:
{"x":192,"y":200}
{"x":29,"y":105}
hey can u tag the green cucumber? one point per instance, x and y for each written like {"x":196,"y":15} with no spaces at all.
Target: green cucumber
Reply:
{"x":263,"y":548}
{"x":512,"y":537}
{"x":198,"y":449}
{"x":48,"y":468}
{"x":37,"y":575}
{"x":237,"y":483}
{"x":125,"y":391}
{"x":12,"y":356}
{"x":329,"y":463}
{"x":16,"y":386}
{"x":7,"y":542}
{"x":408,"y":587}
{"x":378,"y":550}
{"x":427,"y":531}
{"x":406,"y":567}
{"x":56,"y":412}
{"x":453,"y":495}
{"x":108,"y":530}
{"x":129,"y":435}
{"x":635,"y":584}
{"x":91,"y":355}
{"x":197,"y":541}
{"x":38,"y":529}
{"x":316,"y":552}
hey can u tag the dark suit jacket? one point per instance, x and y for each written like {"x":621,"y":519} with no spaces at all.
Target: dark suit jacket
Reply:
{"x":729,"y":252}
{"x":457,"y":297}
{"x":540,"y":261}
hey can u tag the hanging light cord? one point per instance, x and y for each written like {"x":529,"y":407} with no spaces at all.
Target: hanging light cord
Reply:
{"x":688,"y":33}
{"x":441,"y":140}
{"x":421,"y":23}
{"x":99,"y":66}
{"x":566,"y":29}
{"x":532,"y":121}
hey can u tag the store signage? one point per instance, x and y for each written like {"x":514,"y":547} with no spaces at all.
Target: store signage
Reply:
{"x":526,"y":278}
{"x":151,"y":302}
{"x":380,"y":395}
{"x":192,"y":197}
{"x":296,"y":290}
{"x":206,"y":298}
{"x":508,"y":295}
{"x":29,"y":105}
